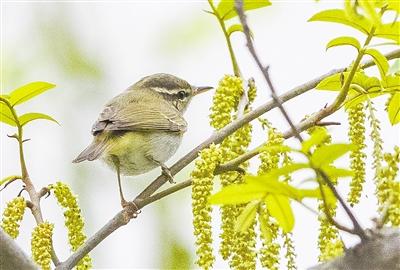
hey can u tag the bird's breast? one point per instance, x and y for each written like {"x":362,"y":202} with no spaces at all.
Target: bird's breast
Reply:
{"x":136,"y":150}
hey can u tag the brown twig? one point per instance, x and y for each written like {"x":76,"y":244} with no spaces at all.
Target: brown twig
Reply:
{"x":357,"y":229}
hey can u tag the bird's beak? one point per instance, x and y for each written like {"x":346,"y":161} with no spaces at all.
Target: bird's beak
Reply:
{"x":201,"y":89}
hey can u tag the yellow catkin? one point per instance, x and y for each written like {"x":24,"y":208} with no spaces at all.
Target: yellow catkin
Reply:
{"x":290,"y":253}
{"x":202,"y":184}
{"x":356,"y":116}
{"x":269,"y":252}
{"x":41,"y":244}
{"x":12,"y":216}
{"x":73,"y":220}
{"x":329,"y":243}
{"x":288,"y":244}
{"x":376,"y":139}
{"x":388,"y":190}
{"x":240,"y":249}
{"x":225,"y":100}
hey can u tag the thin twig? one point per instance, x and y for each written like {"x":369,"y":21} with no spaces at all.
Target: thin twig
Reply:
{"x":340,"y":98}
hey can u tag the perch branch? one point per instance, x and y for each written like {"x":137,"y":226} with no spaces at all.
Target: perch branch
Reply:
{"x":145,"y":197}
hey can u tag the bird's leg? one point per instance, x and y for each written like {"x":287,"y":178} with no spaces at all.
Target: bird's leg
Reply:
{"x":165,"y":170}
{"x":121,"y":194}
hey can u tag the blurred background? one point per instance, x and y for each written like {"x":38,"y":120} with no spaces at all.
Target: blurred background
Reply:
{"x":93,"y":50}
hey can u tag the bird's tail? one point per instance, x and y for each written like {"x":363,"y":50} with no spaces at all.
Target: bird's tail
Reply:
{"x":93,"y":151}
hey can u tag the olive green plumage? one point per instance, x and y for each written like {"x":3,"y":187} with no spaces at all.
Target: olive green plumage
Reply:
{"x":142,"y":127}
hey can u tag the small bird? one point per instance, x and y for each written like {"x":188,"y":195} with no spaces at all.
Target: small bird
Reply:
{"x":141,"y":128}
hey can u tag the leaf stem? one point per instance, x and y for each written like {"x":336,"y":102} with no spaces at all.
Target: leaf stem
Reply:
{"x":29,"y":187}
{"x":221,"y":21}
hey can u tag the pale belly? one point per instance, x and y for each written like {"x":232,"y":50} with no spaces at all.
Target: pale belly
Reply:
{"x":137,"y":151}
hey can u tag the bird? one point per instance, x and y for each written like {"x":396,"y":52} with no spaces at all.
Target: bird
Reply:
{"x":141,"y":128}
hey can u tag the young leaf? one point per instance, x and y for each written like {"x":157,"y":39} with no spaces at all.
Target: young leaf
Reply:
{"x":332,"y":83}
{"x":340,"y":41}
{"x":237,"y":194}
{"x":340,"y":16}
{"x":234,"y":28}
{"x":394,"y":109}
{"x":279,"y":207}
{"x":9,"y":178}
{"x":226,"y":8}
{"x":317,"y":137}
{"x":28,"y":117}
{"x":247,"y":216}
{"x":316,"y":193}
{"x":380,"y":61}
{"x":6,"y":115}
{"x":389,"y":31}
{"x":287,"y":169}
{"x":370,"y":11}
{"x":334,"y":172}
{"x":326,"y":154}
{"x":28,"y":91}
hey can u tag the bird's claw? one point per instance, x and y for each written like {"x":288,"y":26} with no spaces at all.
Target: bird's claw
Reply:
{"x":167,"y":172}
{"x":131,"y":207}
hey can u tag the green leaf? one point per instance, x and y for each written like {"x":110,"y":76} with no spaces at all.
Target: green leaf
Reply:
{"x":237,"y":194}
{"x":279,"y":207}
{"x":28,"y":91}
{"x":247,"y":216}
{"x":340,"y":41}
{"x":234,"y":28}
{"x":28,"y":117}
{"x":316,"y":193}
{"x":334,"y":172}
{"x":332,"y":83}
{"x":9,"y":178}
{"x":317,"y":137}
{"x":226,"y":8}
{"x":370,"y":11}
{"x":275,"y":173}
{"x":326,"y":154}
{"x":394,"y":109}
{"x":266,"y":233}
{"x":340,"y":16}
{"x":380,"y":60}
{"x":389,"y":31}
{"x":6,"y":115}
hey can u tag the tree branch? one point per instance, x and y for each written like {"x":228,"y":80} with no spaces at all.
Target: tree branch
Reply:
{"x":12,"y":256}
{"x":329,"y":109}
{"x":381,"y":252}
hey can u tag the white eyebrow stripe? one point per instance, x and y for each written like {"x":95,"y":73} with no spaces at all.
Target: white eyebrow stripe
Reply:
{"x":166,"y":91}
{"x":162,"y":90}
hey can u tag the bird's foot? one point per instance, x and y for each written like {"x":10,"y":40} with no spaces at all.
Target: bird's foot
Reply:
{"x":131,"y":208}
{"x":167,"y":172}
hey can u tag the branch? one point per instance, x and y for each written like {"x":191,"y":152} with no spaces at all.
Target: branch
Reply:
{"x":330,"y":109}
{"x":29,"y":187}
{"x":380,"y":252}
{"x":145,"y":197}
{"x":12,"y":256}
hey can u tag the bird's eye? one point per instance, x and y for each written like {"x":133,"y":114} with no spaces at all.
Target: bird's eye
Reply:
{"x":182,"y":95}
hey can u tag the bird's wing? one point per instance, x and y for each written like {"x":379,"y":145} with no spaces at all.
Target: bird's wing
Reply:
{"x":140,"y":116}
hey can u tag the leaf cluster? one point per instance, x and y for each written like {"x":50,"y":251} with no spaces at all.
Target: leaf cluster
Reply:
{"x":276,"y":194}
{"x":21,"y":95}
